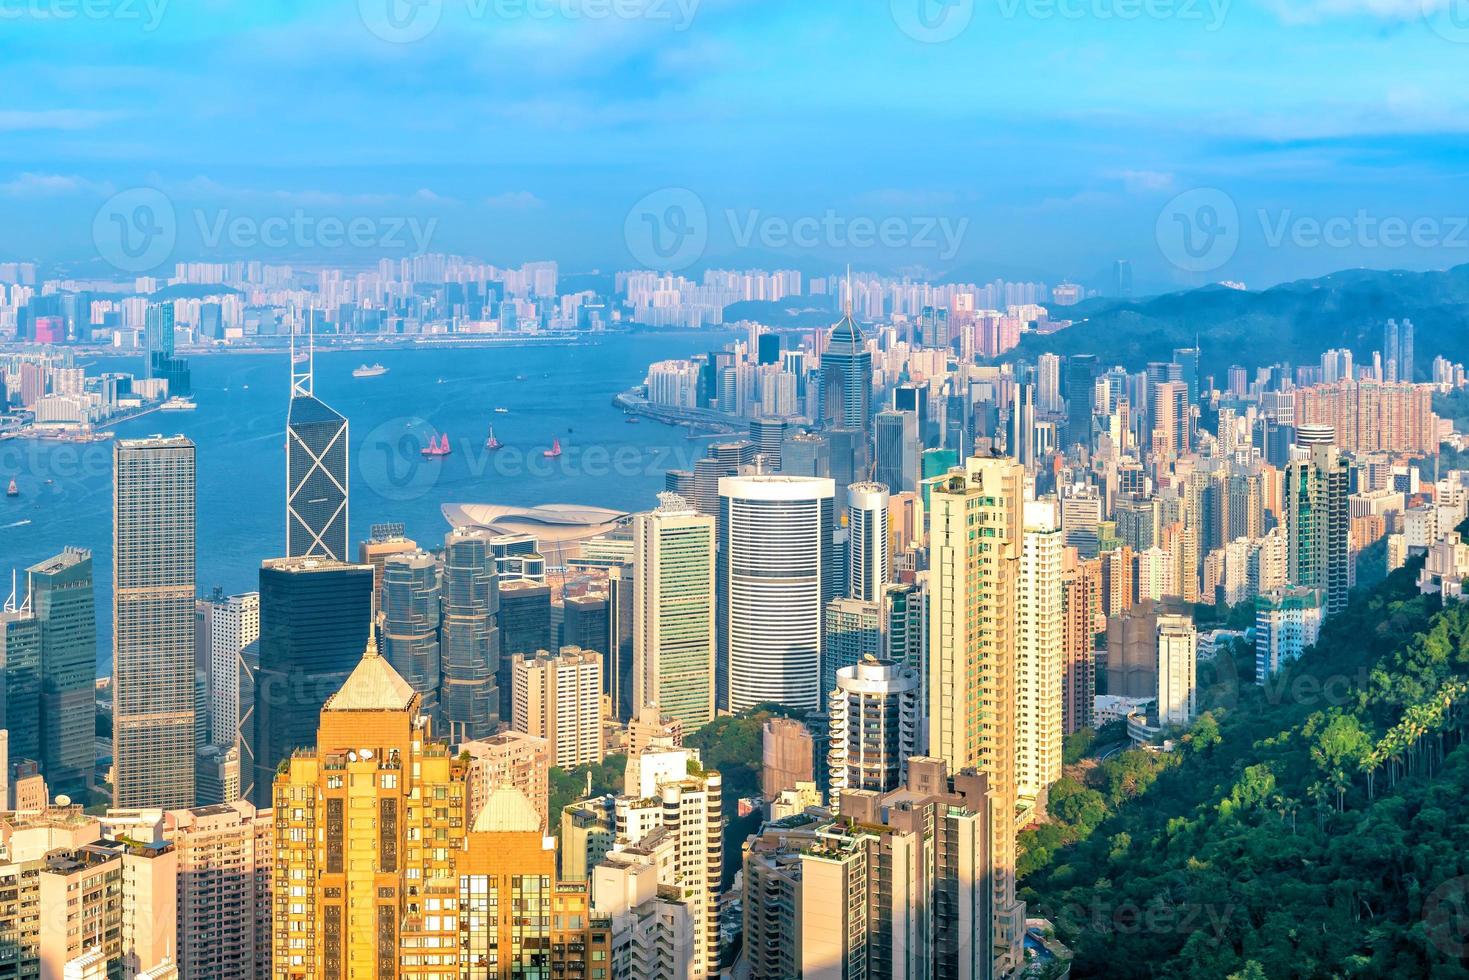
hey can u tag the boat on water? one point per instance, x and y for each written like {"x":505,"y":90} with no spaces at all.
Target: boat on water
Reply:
{"x":300,"y":358}
{"x":502,"y":411}
{"x":440,"y":448}
{"x":491,"y":442}
{"x":554,"y":451}
{"x":178,"y":403}
{"x":369,"y":371}
{"x":632,"y":420}
{"x":13,"y":490}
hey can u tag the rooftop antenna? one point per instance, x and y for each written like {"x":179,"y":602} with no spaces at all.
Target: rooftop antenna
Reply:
{"x":24,"y":606}
{"x":848,"y":306}
{"x":303,"y":382}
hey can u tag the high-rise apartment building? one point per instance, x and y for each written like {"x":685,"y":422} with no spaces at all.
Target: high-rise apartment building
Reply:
{"x":63,"y":600}
{"x":667,"y":789}
{"x":1318,"y":523}
{"x":1287,"y":623}
{"x":1040,"y":652}
{"x":115,"y":897}
{"x":874,"y":712}
{"x":509,"y":758}
{"x":315,"y":615}
{"x":316,"y":473}
{"x":975,"y":549}
{"x":1372,"y":416}
{"x":778,"y":569}
{"x":224,"y":855}
{"x":854,"y":630}
{"x":559,"y":698}
{"x":674,"y":643}
{"x":1083,"y":616}
{"x":153,"y":622}
{"x":1177,"y":661}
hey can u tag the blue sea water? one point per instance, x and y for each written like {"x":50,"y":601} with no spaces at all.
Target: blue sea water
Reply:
{"x":560,"y":393}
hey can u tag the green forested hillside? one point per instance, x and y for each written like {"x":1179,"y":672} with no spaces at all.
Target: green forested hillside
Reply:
{"x":1314,"y":827}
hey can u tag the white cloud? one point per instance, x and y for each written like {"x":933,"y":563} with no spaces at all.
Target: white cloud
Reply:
{"x":50,"y":185}
{"x":515,"y":201}
{"x":1315,"y":11}
{"x":16,"y":120}
{"x":1146,"y":181}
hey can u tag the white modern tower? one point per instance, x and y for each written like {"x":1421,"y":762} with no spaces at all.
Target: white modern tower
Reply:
{"x":867,"y":540}
{"x":778,"y":570}
{"x":874,"y":726}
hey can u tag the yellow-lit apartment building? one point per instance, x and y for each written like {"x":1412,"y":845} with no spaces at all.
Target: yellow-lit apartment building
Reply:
{"x":381,"y":871}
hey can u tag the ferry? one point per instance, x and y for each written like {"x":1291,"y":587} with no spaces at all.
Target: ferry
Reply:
{"x":554,"y":451}
{"x":369,"y":371}
{"x":300,"y":358}
{"x":178,"y":403}
{"x":491,"y":442}
{"x":440,"y":448}
{"x":13,"y":490}
{"x":502,"y":411}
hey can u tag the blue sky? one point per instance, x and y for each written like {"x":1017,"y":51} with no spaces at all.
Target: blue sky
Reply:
{"x":1044,"y":138}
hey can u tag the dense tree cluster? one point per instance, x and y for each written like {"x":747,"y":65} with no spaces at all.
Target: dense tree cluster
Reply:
{"x":1313,"y":825}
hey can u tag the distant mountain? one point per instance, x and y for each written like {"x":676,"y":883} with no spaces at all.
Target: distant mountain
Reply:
{"x":1291,"y":322}
{"x":192,"y":290}
{"x":791,"y":312}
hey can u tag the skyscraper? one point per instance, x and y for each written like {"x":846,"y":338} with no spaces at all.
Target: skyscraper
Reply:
{"x":778,"y":570}
{"x":558,"y":697}
{"x":316,"y":473}
{"x":1081,"y":376}
{"x":20,"y":680}
{"x":867,"y":540}
{"x":525,"y":627}
{"x":63,"y":600}
{"x":975,"y":551}
{"x":231,"y":625}
{"x":898,"y":446}
{"x":153,"y":622}
{"x":315,"y":615}
{"x":674,"y":647}
{"x":158,"y":344}
{"x":409,"y":634}
{"x":469,"y":637}
{"x":421,"y":888}
{"x":846,"y":377}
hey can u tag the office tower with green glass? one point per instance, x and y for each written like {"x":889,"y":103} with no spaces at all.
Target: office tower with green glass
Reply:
{"x":63,"y":600}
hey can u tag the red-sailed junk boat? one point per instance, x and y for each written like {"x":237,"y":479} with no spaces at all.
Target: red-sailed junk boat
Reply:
{"x":492,"y":442}
{"x":440,"y":448}
{"x":554,"y":451}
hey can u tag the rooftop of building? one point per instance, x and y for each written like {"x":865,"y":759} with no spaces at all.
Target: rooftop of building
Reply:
{"x":373,"y":685}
